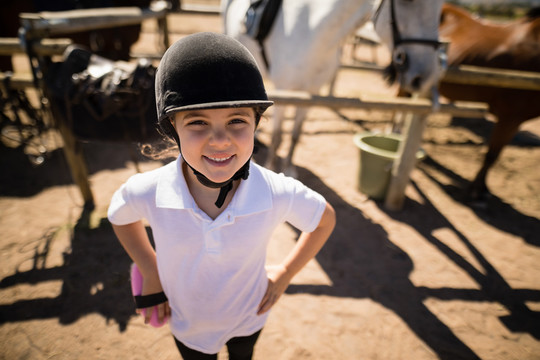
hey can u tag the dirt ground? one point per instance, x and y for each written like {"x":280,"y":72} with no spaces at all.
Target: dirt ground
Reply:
{"x":438,"y":280}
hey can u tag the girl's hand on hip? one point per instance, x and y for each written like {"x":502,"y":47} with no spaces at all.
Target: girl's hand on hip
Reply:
{"x":153,"y":286}
{"x":278,"y":281}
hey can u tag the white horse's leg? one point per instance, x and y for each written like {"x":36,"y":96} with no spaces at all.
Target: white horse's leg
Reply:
{"x":277,"y":134}
{"x":299,"y":118}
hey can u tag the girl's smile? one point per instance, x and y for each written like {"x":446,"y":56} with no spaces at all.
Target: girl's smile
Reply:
{"x":217,"y":161}
{"x":216,"y":142}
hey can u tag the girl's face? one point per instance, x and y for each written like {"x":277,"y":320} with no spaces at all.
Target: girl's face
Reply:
{"x":216,"y":142}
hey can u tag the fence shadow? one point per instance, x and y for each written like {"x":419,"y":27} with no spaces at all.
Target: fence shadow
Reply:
{"x":362,"y":262}
{"x":20,"y":178}
{"x":94,"y":275}
{"x":493,"y":286}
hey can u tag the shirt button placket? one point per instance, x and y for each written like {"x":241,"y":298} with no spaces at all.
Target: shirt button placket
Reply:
{"x":213,"y":241}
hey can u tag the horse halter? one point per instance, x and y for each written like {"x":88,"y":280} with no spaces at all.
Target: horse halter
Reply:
{"x":397,"y":39}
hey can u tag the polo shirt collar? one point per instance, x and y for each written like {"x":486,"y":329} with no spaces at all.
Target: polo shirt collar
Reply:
{"x":252,"y":196}
{"x":172,"y":191}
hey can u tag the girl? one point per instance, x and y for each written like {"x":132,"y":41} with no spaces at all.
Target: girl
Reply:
{"x":212,"y":211}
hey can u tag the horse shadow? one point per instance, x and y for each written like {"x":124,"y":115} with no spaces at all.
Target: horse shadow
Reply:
{"x":94,"y":275}
{"x":494,"y":211}
{"x":483,"y":127}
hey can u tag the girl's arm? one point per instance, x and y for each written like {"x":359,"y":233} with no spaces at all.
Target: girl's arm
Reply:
{"x":135,"y":241}
{"x":307,"y":246}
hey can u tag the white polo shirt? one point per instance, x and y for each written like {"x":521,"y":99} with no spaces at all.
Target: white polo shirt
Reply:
{"x":213,"y":271}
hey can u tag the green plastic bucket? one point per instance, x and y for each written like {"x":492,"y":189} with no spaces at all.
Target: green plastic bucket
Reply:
{"x":377,"y":155}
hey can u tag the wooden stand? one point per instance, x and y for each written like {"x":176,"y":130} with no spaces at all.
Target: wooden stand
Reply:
{"x":46,"y":24}
{"x":36,"y":28}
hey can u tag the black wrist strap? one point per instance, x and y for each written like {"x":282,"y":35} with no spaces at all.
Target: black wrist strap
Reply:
{"x":146,"y":301}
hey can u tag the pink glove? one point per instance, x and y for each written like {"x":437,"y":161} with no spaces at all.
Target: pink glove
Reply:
{"x":143,"y":302}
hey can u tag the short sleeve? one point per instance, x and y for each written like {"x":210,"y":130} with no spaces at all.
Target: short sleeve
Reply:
{"x":306,"y":207}
{"x":122,"y":209}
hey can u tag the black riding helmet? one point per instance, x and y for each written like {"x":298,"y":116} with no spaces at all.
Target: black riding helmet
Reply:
{"x":208,"y":71}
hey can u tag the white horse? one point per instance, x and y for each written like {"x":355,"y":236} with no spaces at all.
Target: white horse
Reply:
{"x":303,"y":48}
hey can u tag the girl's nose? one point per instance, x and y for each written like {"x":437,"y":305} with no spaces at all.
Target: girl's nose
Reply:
{"x":219,"y":137}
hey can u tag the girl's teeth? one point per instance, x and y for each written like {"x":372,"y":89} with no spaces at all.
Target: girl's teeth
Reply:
{"x":219,"y":160}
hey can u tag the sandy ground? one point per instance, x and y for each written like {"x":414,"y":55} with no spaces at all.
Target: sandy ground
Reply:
{"x":437,"y":280}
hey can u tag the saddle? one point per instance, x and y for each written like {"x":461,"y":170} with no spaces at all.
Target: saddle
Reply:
{"x":259,"y":20}
{"x":101,"y":99}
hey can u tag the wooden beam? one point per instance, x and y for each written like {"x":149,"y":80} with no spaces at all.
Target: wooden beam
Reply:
{"x":474,"y":75}
{"x":301,"y":98}
{"x":362,"y":66}
{"x":418,"y":106}
{"x":66,"y":22}
{"x":44,"y":47}
{"x":16,"y":81}
{"x":200,"y":9}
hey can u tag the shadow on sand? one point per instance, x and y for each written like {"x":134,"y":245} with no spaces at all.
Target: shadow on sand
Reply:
{"x":369,"y":265}
{"x":95,"y":272}
{"x":94,"y":275}
{"x":20,"y":178}
{"x":493,"y":211}
{"x":378,"y":269}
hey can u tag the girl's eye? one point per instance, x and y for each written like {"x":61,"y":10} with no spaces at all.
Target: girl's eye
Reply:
{"x":196,"y":122}
{"x":238,"y":121}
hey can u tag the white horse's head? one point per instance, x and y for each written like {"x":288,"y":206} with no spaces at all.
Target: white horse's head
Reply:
{"x":410,"y":29}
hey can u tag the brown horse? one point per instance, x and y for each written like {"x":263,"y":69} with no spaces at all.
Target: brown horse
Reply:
{"x":514,"y":45}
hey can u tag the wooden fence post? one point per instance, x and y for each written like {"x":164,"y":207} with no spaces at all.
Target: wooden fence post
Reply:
{"x":72,"y":150}
{"x":45,"y":48}
{"x":76,"y":161}
{"x":406,"y":160}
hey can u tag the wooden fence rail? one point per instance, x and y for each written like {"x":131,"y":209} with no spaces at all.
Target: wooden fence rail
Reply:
{"x":418,"y":106}
{"x":417,"y":111}
{"x":49,"y":23}
{"x":44,"y":47}
{"x":476,"y":75}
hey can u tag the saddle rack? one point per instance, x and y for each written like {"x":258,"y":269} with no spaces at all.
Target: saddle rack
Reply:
{"x":35,"y":30}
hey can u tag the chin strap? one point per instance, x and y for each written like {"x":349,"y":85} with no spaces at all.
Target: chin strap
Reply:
{"x":225,"y":186}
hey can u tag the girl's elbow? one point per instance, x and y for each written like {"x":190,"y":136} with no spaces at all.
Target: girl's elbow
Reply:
{"x":329,"y":217}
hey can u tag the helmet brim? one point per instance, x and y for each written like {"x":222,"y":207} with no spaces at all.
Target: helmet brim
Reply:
{"x":221,"y":105}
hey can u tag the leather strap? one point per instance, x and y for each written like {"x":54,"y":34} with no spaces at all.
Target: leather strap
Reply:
{"x":146,"y":301}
